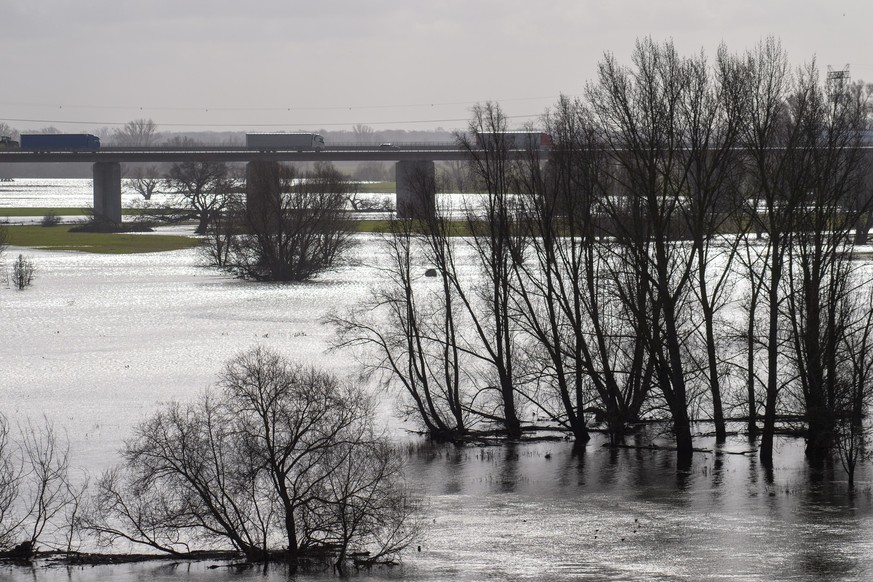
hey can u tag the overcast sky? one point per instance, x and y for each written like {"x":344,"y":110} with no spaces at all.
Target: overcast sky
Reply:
{"x":400,"y":64}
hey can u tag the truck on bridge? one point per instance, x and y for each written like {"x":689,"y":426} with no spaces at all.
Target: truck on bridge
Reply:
{"x":514,"y":140}
{"x":7,"y":143}
{"x":268,"y":142}
{"x":53,"y":142}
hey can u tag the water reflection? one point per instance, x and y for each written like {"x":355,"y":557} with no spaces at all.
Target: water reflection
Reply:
{"x":546,"y":510}
{"x":549,"y":511}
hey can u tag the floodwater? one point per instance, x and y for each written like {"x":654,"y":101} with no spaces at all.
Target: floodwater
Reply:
{"x":59,"y":193}
{"x":99,"y":341}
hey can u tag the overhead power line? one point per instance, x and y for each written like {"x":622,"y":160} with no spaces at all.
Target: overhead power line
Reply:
{"x":244,"y":125}
{"x":206,"y":108}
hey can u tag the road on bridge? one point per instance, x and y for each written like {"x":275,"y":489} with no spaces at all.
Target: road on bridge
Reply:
{"x":341,"y":153}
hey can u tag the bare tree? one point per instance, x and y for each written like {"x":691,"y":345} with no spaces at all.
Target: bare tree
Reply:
{"x":710,"y":111}
{"x":556,"y":205}
{"x":290,"y":419}
{"x":136,"y":133}
{"x":36,"y":490}
{"x":201,"y":187}
{"x":21,"y":272}
{"x":645,"y":134}
{"x":145,"y":181}
{"x":370,"y":513}
{"x":407,"y":330}
{"x":775,"y":158}
{"x":818,"y":276}
{"x":185,"y":479}
{"x":456,"y":175}
{"x":11,"y":471}
{"x":256,"y":465}
{"x":497,"y":241}
{"x":854,"y":387}
{"x":803,"y":159}
{"x":50,"y":491}
{"x":364,"y":133}
{"x":293,"y":227}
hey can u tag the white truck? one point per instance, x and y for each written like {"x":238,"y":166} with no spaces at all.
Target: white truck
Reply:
{"x":302,"y":142}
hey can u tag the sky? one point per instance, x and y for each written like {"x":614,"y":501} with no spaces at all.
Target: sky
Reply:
{"x":269,"y":65}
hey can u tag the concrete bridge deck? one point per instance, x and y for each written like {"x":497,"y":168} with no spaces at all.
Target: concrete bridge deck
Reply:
{"x":414,"y":171}
{"x":342,"y":153}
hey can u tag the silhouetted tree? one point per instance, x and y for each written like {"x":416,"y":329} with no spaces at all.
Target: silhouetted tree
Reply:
{"x":293,"y":227}
{"x":776,"y":158}
{"x":203,"y":188}
{"x":408,"y":332}
{"x":36,"y":489}
{"x":144,"y":181}
{"x":497,"y":241}
{"x":645,"y":133}
{"x":818,"y":270}
{"x":853,"y":390}
{"x":278,"y":458}
{"x":139,"y":132}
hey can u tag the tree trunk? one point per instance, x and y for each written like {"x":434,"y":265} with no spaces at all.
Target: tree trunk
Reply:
{"x":752,"y":425}
{"x":820,"y":435}
{"x":766,"y":448}
{"x":862,"y":228}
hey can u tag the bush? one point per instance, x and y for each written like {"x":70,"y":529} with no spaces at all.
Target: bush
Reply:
{"x":22,"y":271}
{"x":279,"y":459}
{"x":51,"y":218}
{"x":292,"y":228}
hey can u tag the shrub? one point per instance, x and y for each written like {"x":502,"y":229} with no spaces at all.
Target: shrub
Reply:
{"x":22,"y":272}
{"x":51,"y":218}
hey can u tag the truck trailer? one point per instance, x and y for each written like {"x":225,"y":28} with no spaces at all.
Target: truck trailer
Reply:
{"x":51,"y":142}
{"x":514,"y":140}
{"x":302,"y":142}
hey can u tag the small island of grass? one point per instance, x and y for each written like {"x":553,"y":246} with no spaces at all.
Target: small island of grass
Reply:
{"x":59,"y":238}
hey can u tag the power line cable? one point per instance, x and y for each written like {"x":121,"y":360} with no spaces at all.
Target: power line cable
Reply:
{"x":266,"y":109}
{"x":244,"y":125}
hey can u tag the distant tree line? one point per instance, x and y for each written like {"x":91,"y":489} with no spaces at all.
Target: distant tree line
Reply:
{"x":683,"y":251}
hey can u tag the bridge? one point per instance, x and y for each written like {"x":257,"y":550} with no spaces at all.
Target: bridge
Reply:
{"x":413,"y":162}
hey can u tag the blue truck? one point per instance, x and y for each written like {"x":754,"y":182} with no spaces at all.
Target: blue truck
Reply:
{"x":52,"y":142}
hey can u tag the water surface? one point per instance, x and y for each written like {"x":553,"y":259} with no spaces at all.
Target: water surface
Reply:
{"x":99,"y":341}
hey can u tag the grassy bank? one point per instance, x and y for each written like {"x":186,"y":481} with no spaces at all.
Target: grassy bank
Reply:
{"x":18,"y":212}
{"x":59,"y":238}
{"x":60,"y":211}
{"x":376,"y":187}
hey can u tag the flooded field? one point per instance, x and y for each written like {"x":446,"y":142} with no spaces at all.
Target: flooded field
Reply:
{"x":99,"y":341}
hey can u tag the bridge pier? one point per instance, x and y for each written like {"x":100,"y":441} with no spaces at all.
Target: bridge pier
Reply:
{"x":262,"y":191}
{"x":416,"y":189}
{"x":107,"y":191}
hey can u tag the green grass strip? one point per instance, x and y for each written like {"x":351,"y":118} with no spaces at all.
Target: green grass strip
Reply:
{"x":375,"y":188}
{"x":59,"y":238}
{"x":43,"y":211}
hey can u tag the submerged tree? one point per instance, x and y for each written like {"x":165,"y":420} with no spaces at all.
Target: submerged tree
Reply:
{"x":497,"y":241}
{"x":772,"y":142}
{"x":258,"y":464}
{"x":557,"y":304}
{"x":646,"y":136}
{"x":818,"y":276}
{"x":407,"y":331}
{"x":38,"y":496}
{"x":853,"y":388}
{"x":293,"y":226}
{"x":202,"y":188}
